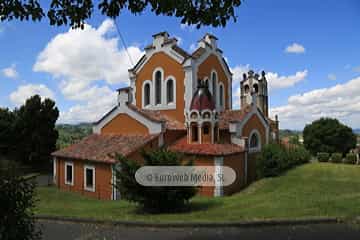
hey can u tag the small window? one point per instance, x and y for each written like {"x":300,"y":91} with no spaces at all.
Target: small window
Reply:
{"x":69,"y":173}
{"x":147,"y":94}
{"x":206,"y":130}
{"x":221,"y":93}
{"x":89,"y":181}
{"x":158,"y":77}
{"x":194,"y":133}
{"x":170,"y":91}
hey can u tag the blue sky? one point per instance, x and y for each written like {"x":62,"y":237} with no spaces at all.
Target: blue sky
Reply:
{"x":318,"y":76}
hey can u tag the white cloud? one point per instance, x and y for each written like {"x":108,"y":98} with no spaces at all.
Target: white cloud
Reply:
{"x":295,"y":48}
{"x":86,"y":63}
{"x":277,"y":82}
{"x":340,"y":101}
{"x":332,"y":76}
{"x":10,"y":72}
{"x":81,"y":57}
{"x":102,"y":101}
{"x":24,"y":92}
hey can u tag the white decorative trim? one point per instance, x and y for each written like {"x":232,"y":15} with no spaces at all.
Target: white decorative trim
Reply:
{"x":54,"y":170}
{"x":90,"y":167}
{"x":258,"y":147}
{"x":153,"y":127}
{"x":219,"y":189}
{"x":72,"y":173}
{"x":143,"y":94}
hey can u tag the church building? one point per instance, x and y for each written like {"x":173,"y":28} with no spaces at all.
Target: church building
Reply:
{"x":180,"y":101}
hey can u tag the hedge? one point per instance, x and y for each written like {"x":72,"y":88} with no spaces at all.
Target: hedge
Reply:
{"x":274,"y":159}
{"x":350,"y":158}
{"x":323,"y":157}
{"x":336,"y":158}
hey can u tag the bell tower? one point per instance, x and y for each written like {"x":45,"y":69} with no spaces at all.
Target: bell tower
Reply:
{"x":253,"y":88}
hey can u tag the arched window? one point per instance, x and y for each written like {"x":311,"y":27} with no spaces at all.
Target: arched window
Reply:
{"x":246,"y":88}
{"x":255,"y":141}
{"x":214,"y":87}
{"x":194,"y":133}
{"x":256,"y":88}
{"x":170,"y":91}
{"x":147,"y":94}
{"x":158,"y":78}
{"x":221,"y":95}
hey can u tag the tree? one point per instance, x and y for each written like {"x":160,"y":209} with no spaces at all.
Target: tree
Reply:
{"x":328,"y":135}
{"x":152,"y":199}
{"x":75,"y":12}
{"x":17,"y":205}
{"x":7,"y":119}
{"x":35,"y":131}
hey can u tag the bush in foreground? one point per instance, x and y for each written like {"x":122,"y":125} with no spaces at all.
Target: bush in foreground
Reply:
{"x":275,"y":159}
{"x":350,"y":158}
{"x":323,"y":157}
{"x":336,"y":158}
{"x":153,"y":199}
{"x":16,"y":206}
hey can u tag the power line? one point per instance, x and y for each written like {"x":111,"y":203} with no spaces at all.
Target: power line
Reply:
{"x":123,"y":42}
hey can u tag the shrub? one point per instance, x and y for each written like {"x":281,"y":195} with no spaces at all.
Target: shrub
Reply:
{"x":153,"y":199}
{"x":17,"y":204}
{"x":299,"y":155}
{"x":350,"y":158}
{"x":323,"y":157}
{"x":275,"y":159}
{"x":336,"y":157}
{"x":271,"y":161}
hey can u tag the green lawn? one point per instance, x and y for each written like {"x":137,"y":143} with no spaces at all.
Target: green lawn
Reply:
{"x":312,"y":190}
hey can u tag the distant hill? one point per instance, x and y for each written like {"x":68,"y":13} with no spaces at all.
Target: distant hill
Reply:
{"x":70,"y":134}
{"x":356,"y":131}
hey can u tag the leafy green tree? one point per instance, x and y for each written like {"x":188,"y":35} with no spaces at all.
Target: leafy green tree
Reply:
{"x":7,"y":119}
{"x":35,"y":131}
{"x":75,"y":12}
{"x":17,"y":205}
{"x":153,"y":199}
{"x":328,"y":135}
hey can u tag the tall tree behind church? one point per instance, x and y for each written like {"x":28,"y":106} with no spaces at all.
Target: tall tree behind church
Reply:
{"x":35,"y":131}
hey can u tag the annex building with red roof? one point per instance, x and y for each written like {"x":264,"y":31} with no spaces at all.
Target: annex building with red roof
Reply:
{"x":179,"y":101}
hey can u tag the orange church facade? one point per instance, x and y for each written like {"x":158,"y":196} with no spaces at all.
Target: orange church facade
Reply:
{"x":179,"y":101}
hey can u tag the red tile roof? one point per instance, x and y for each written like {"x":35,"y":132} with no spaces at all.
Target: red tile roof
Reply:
{"x":157,"y":116}
{"x":228,"y":116}
{"x":102,"y":148}
{"x":183,"y":146}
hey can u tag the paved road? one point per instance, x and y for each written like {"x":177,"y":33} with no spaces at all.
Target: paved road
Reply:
{"x":70,"y":231}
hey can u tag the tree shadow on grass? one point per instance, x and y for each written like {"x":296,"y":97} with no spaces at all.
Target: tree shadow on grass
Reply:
{"x":192,"y":206}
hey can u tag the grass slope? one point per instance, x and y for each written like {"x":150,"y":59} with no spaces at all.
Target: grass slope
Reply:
{"x":312,"y":190}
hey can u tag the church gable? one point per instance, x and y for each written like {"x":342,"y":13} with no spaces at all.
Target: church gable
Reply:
{"x":125,"y":125}
{"x":160,"y":85}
